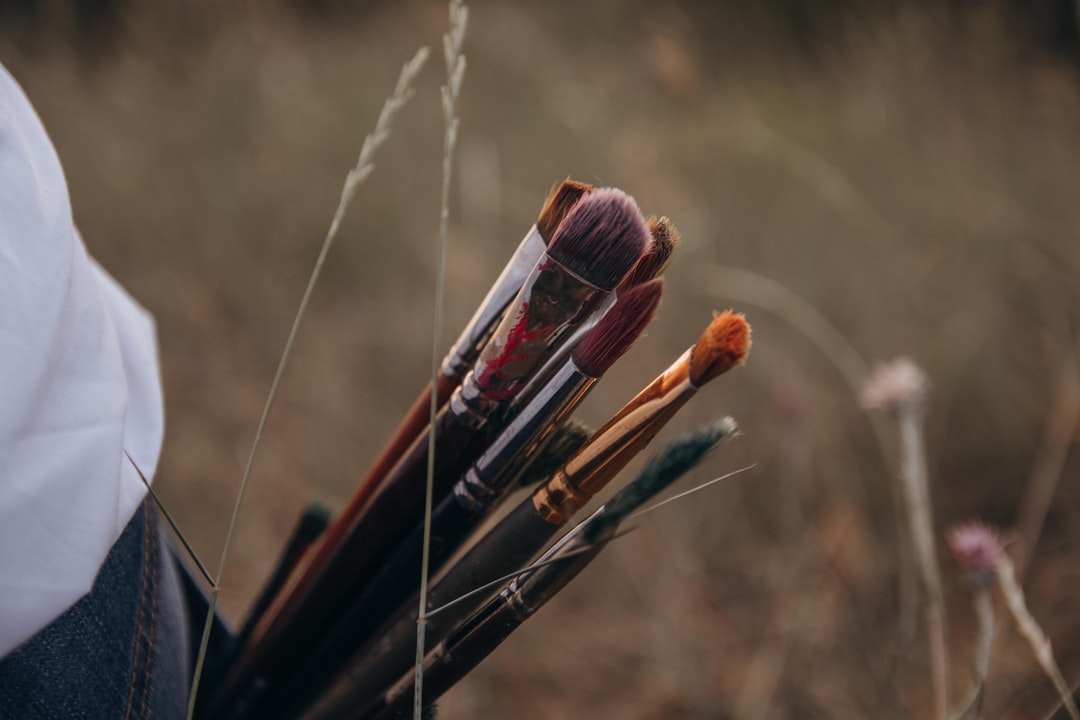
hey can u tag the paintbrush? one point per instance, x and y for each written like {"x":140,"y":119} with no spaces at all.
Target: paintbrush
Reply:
{"x":665,"y":240}
{"x":567,"y":440}
{"x":482,"y":486}
{"x":527,"y":529}
{"x":312,"y":523}
{"x":462,"y":354}
{"x":495,"y":471}
{"x":560,"y":201}
{"x":463,"y":650}
{"x":657,"y":256}
{"x":590,"y":253}
{"x":724,"y":345}
{"x":604,"y":235}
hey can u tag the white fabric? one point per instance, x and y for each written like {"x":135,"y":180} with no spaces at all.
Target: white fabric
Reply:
{"x":80,"y":389}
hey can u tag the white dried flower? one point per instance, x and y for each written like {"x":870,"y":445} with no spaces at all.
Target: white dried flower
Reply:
{"x":900,"y":383}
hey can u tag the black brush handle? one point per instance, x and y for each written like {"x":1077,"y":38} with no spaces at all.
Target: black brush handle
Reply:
{"x":474,"y":641}
{"x":390,"y":516}
{"x":467,"y":646}
{"x":312,"y":523}
{"x":508,"y":547}
{"x":396,"y":582}
{"x":478,"y":636}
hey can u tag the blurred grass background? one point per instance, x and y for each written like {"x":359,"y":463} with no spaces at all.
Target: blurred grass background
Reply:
{"x":905,"y":172}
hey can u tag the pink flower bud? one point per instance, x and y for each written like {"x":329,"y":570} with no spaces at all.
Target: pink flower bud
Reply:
{"x":976,"y":546}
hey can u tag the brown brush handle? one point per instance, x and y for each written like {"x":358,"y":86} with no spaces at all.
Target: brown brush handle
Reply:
{"x":312,"y":523}
{"x":309,"y":569}
{"x":411,"y":426}
{"x":478,"y":637}
{"x":387,"y":655}
{"x":286,"y":637}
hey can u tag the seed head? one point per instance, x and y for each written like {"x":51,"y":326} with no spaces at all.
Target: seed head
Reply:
{"x":977,"y":548}
{"x":895,"y":385}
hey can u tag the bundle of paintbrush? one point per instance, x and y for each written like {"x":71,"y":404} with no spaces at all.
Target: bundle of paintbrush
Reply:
{"x":525,"y":531}
{"x":474,"y":639}
{"x":575,"y":296}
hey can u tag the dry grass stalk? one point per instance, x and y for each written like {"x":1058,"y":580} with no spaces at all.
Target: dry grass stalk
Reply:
{"x":1058,"y":434}
{"x":757,"y":289}
{"x":901,"y":387}
{"x":455,"y":76}
{"x":1029,"y":628}
{"x":403,"y":91}
{"x":977,"y":548}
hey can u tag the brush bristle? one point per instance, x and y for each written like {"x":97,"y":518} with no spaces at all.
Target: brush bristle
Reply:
{"x":619,"y":329}
{"x":560,"y":201}
{"x":663,"y":469}
{"x":602,"y":238}
{"x":665,"y":238}
{"x":566,"y":441}
{"x":657,"y":256}
{"x":723,"y":345}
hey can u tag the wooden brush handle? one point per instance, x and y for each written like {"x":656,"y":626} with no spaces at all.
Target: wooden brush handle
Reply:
{"x":290,"y":635}
{"x":408,"y":430}
{"x":411,"y":426}
{"x":387,"y":655}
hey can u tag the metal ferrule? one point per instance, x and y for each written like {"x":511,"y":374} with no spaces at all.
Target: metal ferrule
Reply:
{"x":476,"y":333}
{"x":611,"y":447}
{"x":519,"y":609}
{"x":557,"y":499}
{"x":552,"y":302}
{"x":469,"y":406}
{"x":531,"y":589}
{"x":567,"y":543}
{"x":559,"y":357}
{"x":503,"y":461}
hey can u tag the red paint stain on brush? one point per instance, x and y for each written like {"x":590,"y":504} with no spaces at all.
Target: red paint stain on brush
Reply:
{"x":519,"y":348}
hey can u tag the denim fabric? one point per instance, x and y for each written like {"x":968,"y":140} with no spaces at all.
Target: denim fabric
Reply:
{"x":121,"y":652}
